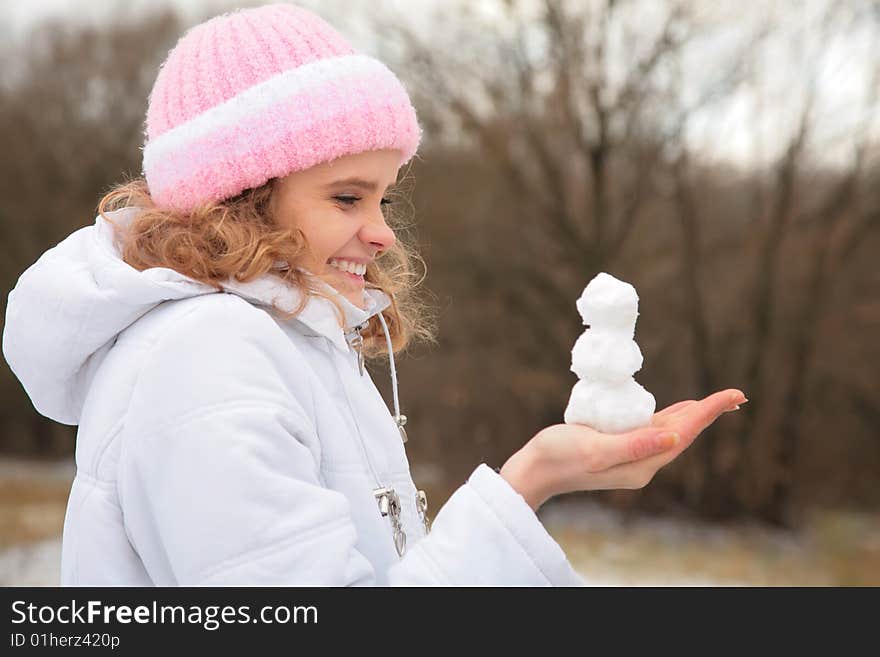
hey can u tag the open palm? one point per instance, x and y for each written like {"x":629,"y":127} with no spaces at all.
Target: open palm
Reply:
{"x":570,"y":457}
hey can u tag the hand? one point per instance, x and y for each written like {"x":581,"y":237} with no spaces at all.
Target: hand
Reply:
{"x":563,"y":458}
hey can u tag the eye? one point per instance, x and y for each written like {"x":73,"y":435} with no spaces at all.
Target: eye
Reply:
{"x":351,"y":200}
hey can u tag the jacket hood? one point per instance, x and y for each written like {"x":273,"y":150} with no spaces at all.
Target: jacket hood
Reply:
{"x":65,"y":311}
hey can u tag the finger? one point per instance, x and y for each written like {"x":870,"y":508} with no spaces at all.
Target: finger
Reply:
{"x":672,"y":416}
{"x":609,"y":450}
{"x":641,"y":471}
{"x":695,"y":418}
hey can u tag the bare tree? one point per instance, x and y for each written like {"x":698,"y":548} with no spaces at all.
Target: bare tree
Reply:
{"x":591,"y":147}
{"x":72,"y":104}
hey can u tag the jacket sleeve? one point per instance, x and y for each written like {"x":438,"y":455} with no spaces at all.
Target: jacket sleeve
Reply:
{"x":220,"y":483}
{"x":486,"y":535}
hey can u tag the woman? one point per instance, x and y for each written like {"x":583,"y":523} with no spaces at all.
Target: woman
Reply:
{"x":208,"y":336}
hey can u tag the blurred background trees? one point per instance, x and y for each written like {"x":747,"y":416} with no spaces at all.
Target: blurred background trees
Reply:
{"x":72,"y":106}
{"x":563,"y":139}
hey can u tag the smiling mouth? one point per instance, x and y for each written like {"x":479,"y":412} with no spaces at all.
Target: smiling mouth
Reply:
{"x":354,"y":277}
{"x":348,"y":268}
{"x":357,"y":279}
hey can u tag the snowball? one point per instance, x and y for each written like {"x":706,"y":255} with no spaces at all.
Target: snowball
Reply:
{"x":605,"y":355}
{"x":610,"y":407}
{"x":609,"y":303}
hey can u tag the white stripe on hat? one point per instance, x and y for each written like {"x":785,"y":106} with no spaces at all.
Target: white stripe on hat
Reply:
{"x":252,"y":101}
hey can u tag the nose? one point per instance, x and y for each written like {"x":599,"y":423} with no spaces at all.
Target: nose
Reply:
{"x":376,"y":232}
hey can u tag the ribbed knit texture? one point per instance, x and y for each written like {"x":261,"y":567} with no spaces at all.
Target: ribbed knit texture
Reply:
{"x":259,"y":93}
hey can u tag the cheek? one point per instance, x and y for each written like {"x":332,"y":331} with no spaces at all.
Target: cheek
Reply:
{"x":329,"y":236}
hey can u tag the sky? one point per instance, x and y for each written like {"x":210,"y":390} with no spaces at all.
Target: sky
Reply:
{"x":750,"y":127}
{"x":20,"y":14}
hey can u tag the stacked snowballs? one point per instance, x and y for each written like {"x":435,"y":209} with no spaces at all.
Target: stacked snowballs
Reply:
{"x":605,"y":358}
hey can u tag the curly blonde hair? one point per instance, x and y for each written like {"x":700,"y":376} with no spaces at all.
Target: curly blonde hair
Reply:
{"x":238,"y":238}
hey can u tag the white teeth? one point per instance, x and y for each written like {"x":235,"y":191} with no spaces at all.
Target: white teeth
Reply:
{"x":349,"y":266}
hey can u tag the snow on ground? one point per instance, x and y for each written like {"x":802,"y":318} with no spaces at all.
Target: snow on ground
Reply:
{"x":39,"y":564}
{"x":34,"y":564}
{"x":610,"y":548}
{"x":33,"y":499}
{"x":607,"y":547}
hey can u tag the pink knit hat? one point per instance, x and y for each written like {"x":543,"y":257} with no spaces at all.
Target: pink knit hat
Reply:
{"x":258,"y":93}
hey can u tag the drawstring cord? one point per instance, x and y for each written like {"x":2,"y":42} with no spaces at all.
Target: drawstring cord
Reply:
{"x":398,"y":418}
{"x":421,"y":497}
{"x":357,"y":342}
{"x":386,"y":496}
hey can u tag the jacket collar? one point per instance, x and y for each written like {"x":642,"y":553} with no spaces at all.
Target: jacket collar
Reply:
{"x":318,"y":315}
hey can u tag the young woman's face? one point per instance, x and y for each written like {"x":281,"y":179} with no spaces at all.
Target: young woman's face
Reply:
{"x":338,"y":207}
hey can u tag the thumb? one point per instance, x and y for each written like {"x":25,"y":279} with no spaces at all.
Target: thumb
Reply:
{"x":613,"y":449}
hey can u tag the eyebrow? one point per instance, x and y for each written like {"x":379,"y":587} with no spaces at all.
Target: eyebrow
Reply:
{"x":367,"y":185}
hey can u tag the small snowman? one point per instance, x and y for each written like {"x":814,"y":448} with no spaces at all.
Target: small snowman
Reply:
{"x":605,"y":357}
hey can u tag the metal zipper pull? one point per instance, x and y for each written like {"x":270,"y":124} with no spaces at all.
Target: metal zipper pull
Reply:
{"x":389,"y":505}
{"x":357,"y":343}
{"x":400,"y":420}
{"x":422,"y":506}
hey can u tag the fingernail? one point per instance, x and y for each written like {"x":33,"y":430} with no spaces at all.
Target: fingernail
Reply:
{"x":732,"y":408}
{"x":667,"y":440}
{"x":738,"y":398}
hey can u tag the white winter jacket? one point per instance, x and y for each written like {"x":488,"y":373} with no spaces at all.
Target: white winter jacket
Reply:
{"x":217,"y":445}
